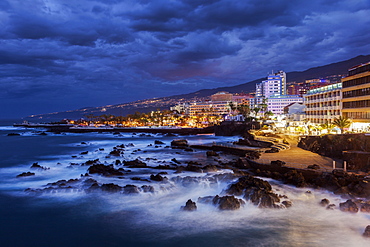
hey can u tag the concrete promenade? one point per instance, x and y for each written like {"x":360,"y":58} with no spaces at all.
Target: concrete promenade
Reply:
{"x":299,"y":158}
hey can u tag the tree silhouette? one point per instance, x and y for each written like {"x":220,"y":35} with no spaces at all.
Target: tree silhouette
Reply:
{"x":328,"y":126}
{"x":342,"y":123}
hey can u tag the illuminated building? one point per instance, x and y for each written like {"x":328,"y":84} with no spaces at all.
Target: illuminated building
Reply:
{"x":216,"y":108}
{"x":323,"y":104}
{"x":276,"y":104}
{"x":274,"y":85}
{"x":222,"y":96}
{"x":356,"y":95}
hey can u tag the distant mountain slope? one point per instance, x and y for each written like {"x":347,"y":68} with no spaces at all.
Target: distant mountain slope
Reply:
{"x":339,"y":68}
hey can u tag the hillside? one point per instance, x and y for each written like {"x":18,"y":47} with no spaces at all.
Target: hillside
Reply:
{"x":334,"y":69}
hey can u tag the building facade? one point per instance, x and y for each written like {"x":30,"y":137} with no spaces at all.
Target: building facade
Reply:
{"x":222,"y":96}
{"x":273,"y":93}
{"x":216,"y":108}
{"x":182,"y":108}
{"x":274,"y":85}
{"x":276,"y":104}
{"x":323,"y":104}
{"x":356,"y":95}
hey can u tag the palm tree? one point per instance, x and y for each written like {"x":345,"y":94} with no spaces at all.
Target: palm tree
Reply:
{"x":232,"y":106}
{"x":342,"y":123}
{"x":328,"y":126}
{"x":256,"y":110}
{"x":244,"y":110}
{"x":263,"y":106}
{"x":268,"y":114}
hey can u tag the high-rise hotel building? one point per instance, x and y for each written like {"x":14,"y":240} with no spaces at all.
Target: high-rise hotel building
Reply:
{"x":274,"y":85}
{"x":273,"y":93}
{"x":356,"y":94}
{"x":322,"y":104}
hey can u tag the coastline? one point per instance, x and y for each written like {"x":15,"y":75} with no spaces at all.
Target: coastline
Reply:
{"x":110,"y":182}
{"x":180,"y":131}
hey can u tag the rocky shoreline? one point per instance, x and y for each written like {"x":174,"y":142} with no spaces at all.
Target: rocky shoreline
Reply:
{"x":355,"y":189}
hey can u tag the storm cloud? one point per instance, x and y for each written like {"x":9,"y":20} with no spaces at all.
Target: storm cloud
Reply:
{"x":58,"y":55}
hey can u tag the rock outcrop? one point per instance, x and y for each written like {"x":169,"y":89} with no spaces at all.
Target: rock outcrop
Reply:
{"x":37,"y":166}
{"x":324,"y":202}
{"x":348,"y":206}
{"x":182,"y":143}
{"x":158,"y":178}
{"x":227,"y":202}
{"x":135,"y":164}
{"x":25,"y":174}
{"x":189,"y":206}
{"x":105,"y":170}
{"x":256,"y":190}
{"x":367,"y":232}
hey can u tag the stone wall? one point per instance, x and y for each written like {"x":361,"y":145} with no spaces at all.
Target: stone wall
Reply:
{"x":353,"y":148}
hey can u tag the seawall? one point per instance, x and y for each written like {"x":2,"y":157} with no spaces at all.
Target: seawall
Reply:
{"x":352,"y":148}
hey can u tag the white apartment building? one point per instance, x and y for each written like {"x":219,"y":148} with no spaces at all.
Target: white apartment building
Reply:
{"x":274,"y":85}
{"x":181,"y":108}
{"x":273,"y":93}
{"x":323,"y":104}
{"x":210,"y":107}
{"x":276,"y":104}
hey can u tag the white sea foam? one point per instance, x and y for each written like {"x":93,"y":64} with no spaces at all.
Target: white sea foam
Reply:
{"x":10,"y":128}
{"x":158,"y":214}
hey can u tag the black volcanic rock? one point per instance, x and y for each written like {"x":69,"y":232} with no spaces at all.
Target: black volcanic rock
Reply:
{"x":294,"y":177}
{"x":91,"y":162}
{"x":175,"y":161}
{"x":13,"y":134}
{"x":189,"y":206}
{"x":324,"y":202}
{"x":105,"y":170}
{"x":157,"y":177}
{"x":131,"y":189}
{"x":26,"y":174}
{"x":37,"y":166}
{"x":287,"y":204}
{"x":147,"y":189}
{"x":111,"y":187}
{"x":116,"y":153}
{"x":348,"y":206}
{"x":256,"y":190}
{"x":135,"y":164}
{"x":367,"y":232}
{"x":227,"y":202}
{"x":179,"y":143}
{"x":365,"y":207}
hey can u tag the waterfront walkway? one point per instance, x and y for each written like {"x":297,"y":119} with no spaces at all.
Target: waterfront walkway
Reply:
{"x":299,"y":158}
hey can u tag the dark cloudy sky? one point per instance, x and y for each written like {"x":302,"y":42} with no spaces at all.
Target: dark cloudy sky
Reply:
{"x":58,"y":55}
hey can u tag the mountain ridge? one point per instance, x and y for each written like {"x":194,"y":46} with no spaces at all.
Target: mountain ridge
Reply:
{"x":147,"y":105}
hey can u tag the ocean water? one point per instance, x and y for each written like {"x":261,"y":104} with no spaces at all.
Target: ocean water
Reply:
{"x":76,"y":218}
